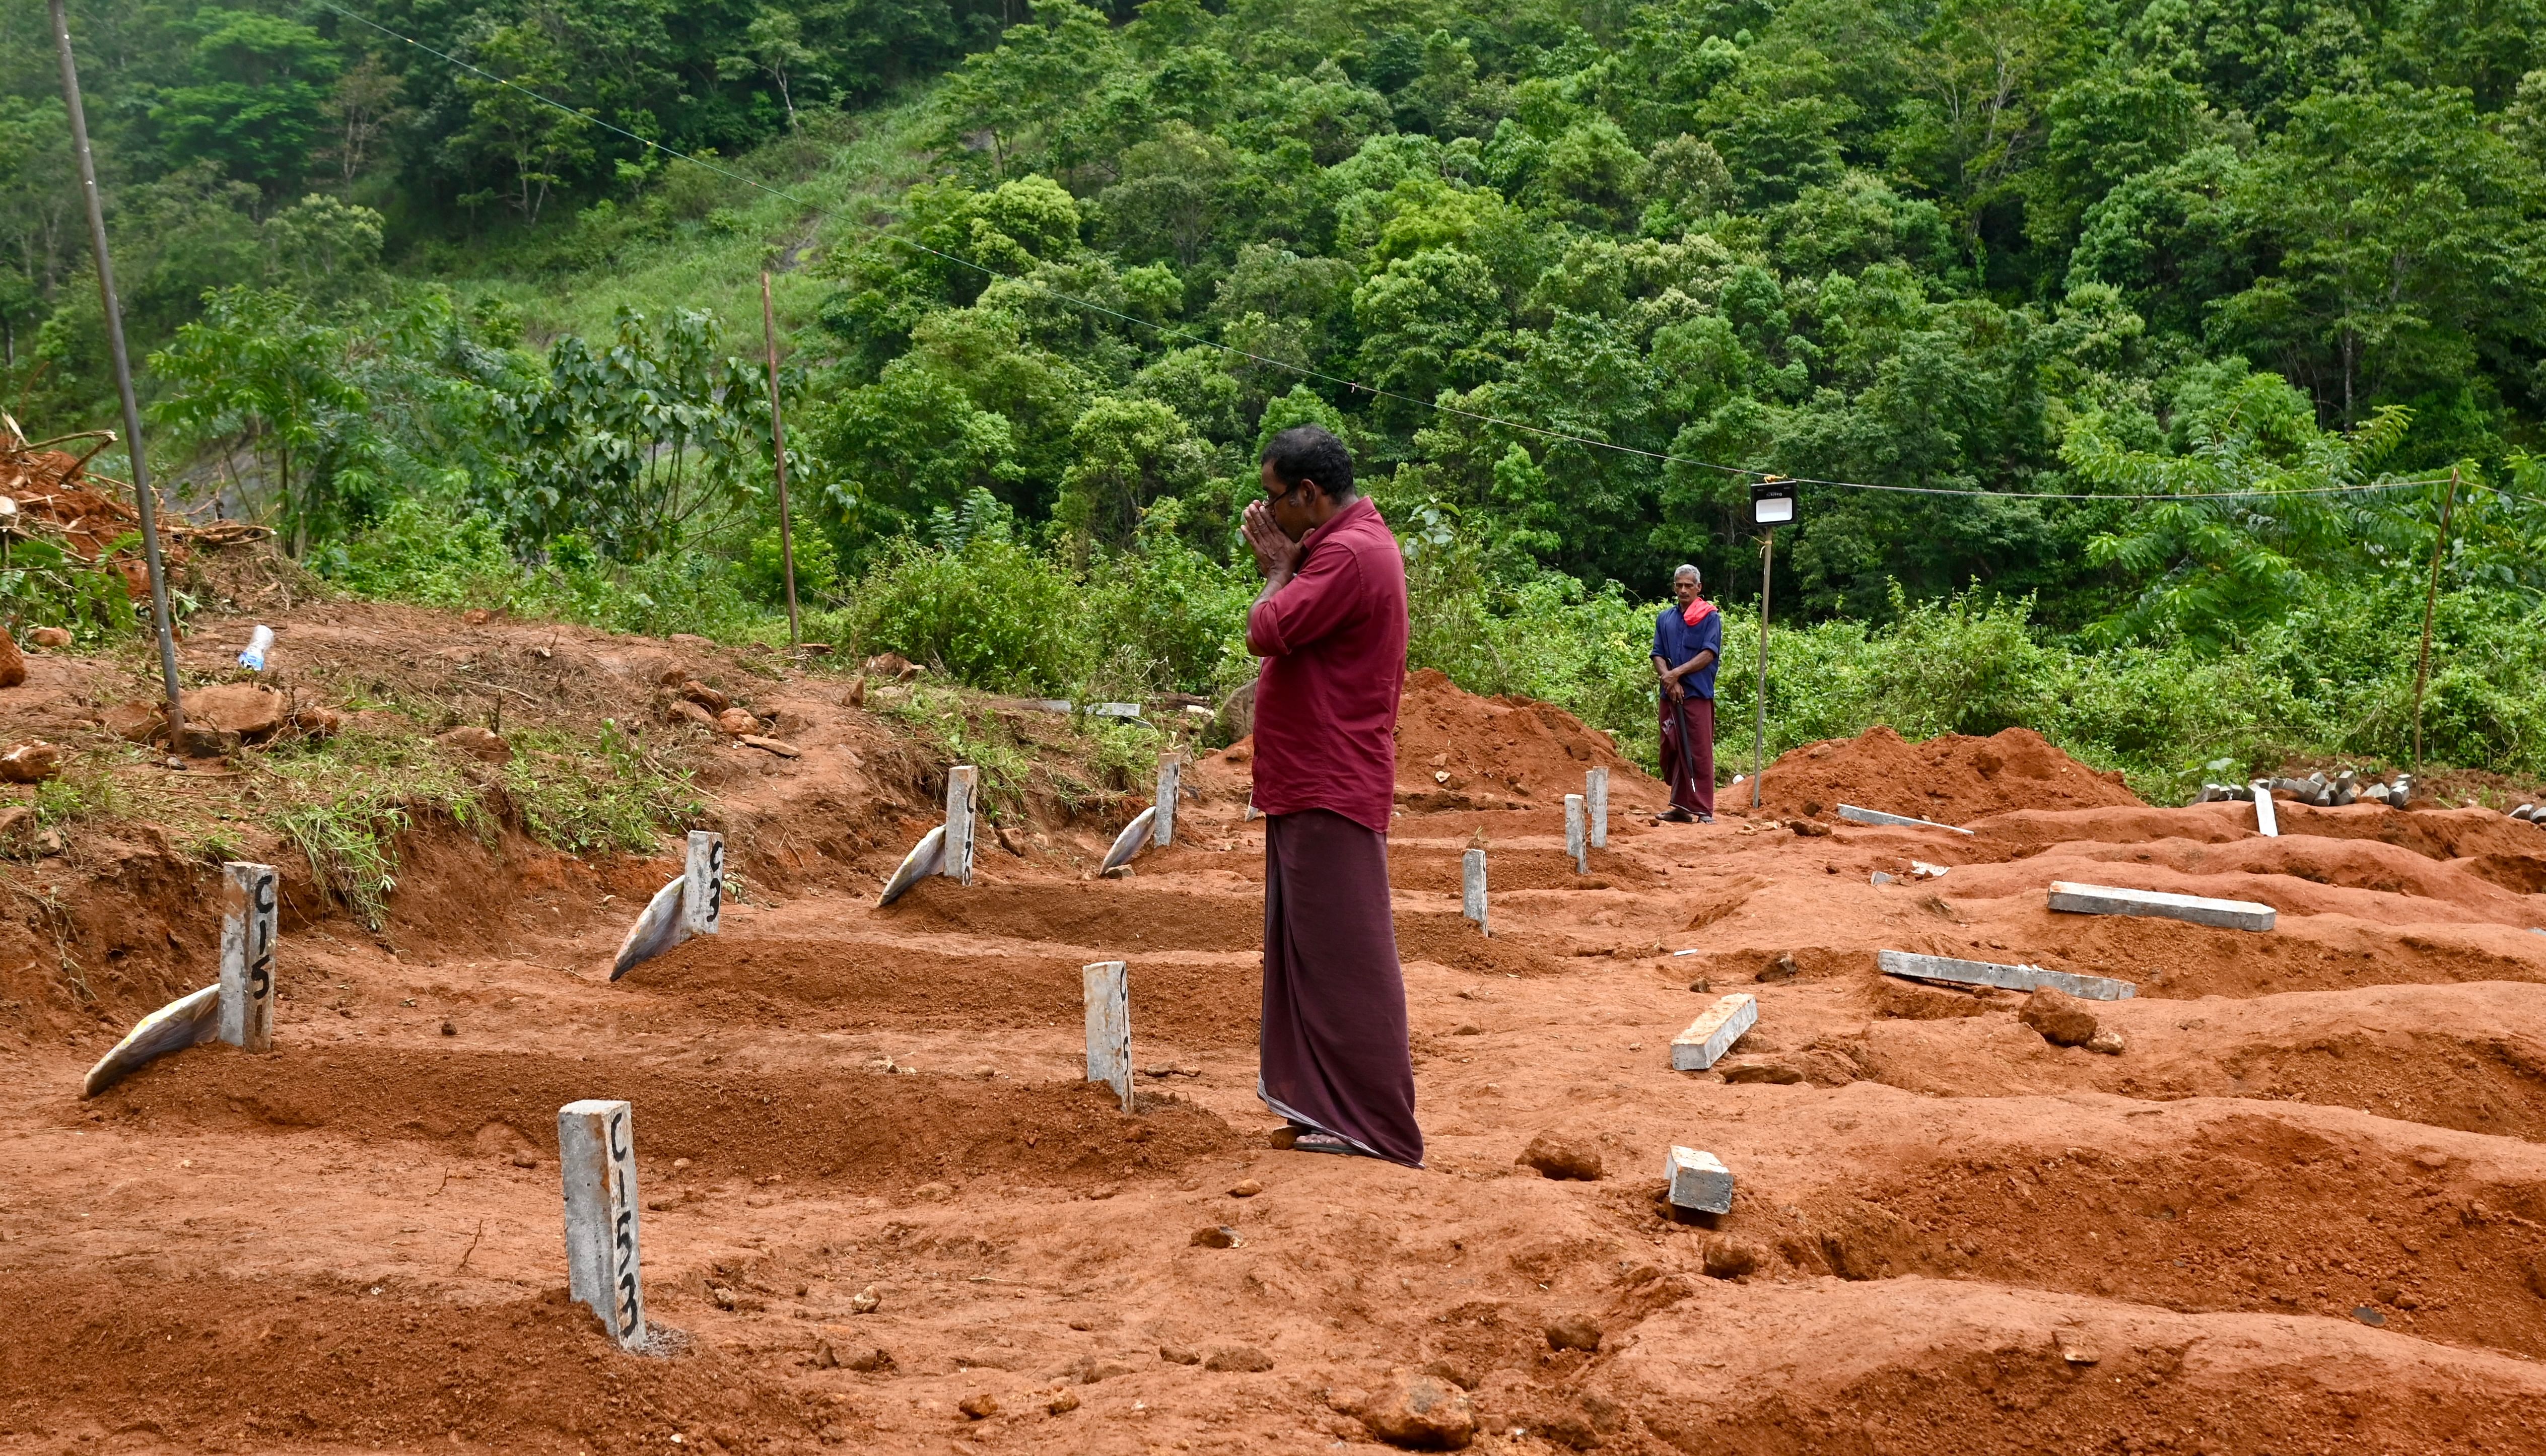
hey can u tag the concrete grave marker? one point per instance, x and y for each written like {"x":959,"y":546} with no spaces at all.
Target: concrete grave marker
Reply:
{"x":1575,"y":847}
{"x":1894,"y":820}
{"x":2005,"y":977}
{"x":1710,"y":1036}
{"x":2267,"y":821}
{"x":1108,"y":988}
{"x":1596,"y":798}
{"x":597,"y":1155}
{"x":1471,"y":889}
{"x":703,"y":883}
{"x":1162,"y":829}
{"x":1699,"y":1181}
{"x":247,"y":955}
{"x":962,"y":783}
{"x":2106,"y":899}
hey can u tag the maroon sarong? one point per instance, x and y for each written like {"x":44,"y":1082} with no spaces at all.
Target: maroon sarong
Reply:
{"x":1334,"y":1054}
{"x":1688,"y":752}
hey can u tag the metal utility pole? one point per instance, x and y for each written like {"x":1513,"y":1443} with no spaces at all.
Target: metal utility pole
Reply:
{"x":2431,"y":606}
{"x":777,"y":443}
{"x":143,"y":498}
{"x":1772,"y":504}
{"x":1759,"y":726}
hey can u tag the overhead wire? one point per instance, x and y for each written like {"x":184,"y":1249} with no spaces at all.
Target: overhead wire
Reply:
{"x":1305,"y":371}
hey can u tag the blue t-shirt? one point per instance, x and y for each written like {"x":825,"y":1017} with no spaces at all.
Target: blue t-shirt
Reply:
{"x":1675,"y":642}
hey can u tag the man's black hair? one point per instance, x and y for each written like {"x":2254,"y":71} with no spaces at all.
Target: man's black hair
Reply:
{"x":1308,"y":453}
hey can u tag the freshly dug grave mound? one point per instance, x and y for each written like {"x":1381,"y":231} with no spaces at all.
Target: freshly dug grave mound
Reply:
{"x":1503,"y":748}
{"x":1121,"y":920}
{"x":1952,"y":778}
{"x":867,"y":1130}
{"x":745,"y":979}
{"x":1456,"y":751}
{"x":112,"y":1352}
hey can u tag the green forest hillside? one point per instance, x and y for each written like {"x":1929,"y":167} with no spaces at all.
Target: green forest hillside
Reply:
{"x":417,"y":286}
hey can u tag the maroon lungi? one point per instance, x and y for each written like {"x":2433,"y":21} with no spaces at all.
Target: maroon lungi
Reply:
{"x":1334,"y":1054}
{"x":1688,"y":752}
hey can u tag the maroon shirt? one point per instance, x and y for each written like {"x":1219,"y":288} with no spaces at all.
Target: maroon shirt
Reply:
{"x":1333,"y":644}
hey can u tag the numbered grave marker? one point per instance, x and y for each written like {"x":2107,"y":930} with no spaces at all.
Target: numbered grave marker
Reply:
{"x":1574,"y":846}
{"x":597,"y":1150}
{"x":1471,"y":889}
{"x":703,"y":883}
{"x":248,"y":918}
{"x":1162,"y":829}
{"x":2267,"y":819}
{"x":1595,"y":796}
{"x":1108,"y":986}
{"x":962,"y":783}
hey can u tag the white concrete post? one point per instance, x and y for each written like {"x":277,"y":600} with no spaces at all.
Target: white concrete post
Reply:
{"x":1108,"y":988}
{"x":1596,"y":795}
{"x":597,"y":1151}
{"x":1471,"y":889}
{"x":703,"y":883}
{"x":962,"y":783}
{"x":248,"y":917}
{"x":1162,"y":826}
{"x":1574,"y":844}
{"x":2267,"y":821}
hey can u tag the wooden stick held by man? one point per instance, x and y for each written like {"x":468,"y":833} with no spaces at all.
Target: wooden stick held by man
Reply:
{"x":1330,"y":626}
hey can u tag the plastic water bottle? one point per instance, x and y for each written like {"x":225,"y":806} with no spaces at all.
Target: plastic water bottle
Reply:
{"x":258,"y":642}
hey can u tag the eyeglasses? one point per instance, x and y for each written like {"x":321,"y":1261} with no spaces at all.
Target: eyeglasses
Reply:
{"x":1287,"y":492}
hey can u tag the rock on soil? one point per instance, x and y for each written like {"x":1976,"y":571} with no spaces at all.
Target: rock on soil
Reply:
{"x":1420,"y":1413}
{"x":30,"y":763}
{"x":478,"y":743}
{"x":50,"y":638}
{"x":1952,"y":778}
{"x":1560,"y":1157}
{"x":2063,"y":1020}
{"x":250,"y":710}
{"x":1574,"y":1333}
{"x":13,"y":664}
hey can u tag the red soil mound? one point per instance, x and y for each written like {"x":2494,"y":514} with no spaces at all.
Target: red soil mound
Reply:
{"x":1952,"y":778}
{"x":1457,"y":750}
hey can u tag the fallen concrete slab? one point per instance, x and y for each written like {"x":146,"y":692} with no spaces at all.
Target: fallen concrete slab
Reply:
{"x":2106,"y":899}
{"x":1710,"y":1036}
{"x":924,"y":860}
{"x":1699,"y":1181}
{"x":1894,"y":821}
{"x":663,"y":924}
{"x":186,"y":1021}
{"x":1914,"y":967}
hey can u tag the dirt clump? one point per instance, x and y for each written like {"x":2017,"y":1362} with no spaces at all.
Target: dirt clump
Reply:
{"x":1953,"y":778}
{"x":1557,"y":1155}
{"x":2063,"y":1020}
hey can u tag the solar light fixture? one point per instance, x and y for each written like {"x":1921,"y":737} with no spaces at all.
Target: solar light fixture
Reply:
{"x":1772,"y":501}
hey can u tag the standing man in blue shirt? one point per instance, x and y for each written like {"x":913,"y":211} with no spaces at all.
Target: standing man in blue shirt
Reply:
{"x":1687,"y":640}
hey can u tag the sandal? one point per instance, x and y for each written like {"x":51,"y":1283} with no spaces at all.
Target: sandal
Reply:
{"x":1311,"y":1140}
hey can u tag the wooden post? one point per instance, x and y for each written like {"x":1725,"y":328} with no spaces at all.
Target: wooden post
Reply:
{"x":144,"y":500}
{"x":1108,"y":988}
{"x":247,"y":955}
{"x":1574,"y":841}
{"x":1471,"y":889}
{"x":777,"y":448}
{"x":1163,"y":825}
{"x":961,"y":783}
{"x":1596,"y":798}
{"x":2430,"y":605}
{"x":597,"y":1156}
{"x":702,"y":892}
